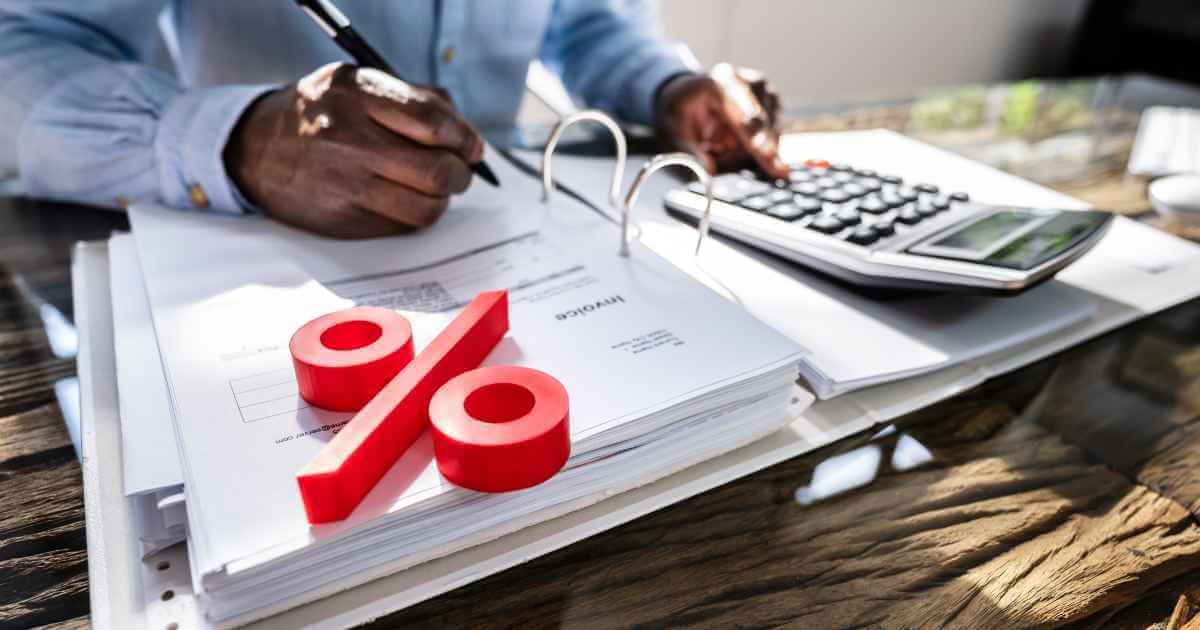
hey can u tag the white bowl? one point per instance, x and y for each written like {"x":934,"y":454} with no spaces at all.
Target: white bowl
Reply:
{"x":1177,"y":198}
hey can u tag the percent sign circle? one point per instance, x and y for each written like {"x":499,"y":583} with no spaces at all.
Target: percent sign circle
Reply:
{"x":500,"y":428}
{"x":344,"y":358}
{"x":391,"y":418}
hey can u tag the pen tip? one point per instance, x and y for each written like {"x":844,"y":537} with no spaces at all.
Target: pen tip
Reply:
{"x":481,"y":169}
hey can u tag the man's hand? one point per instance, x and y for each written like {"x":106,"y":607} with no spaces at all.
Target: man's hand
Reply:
{"x":352,"y":153}
{"x":726,"y":119}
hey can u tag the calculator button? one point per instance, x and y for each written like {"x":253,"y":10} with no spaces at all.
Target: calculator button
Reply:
{"x":806,"y":188}
{"x":873,"y":205}
{"x":826,"y":224}
{"x":890,"y":179}
{"x":865,"y":172}
{"x":848,"y":216}
{"x":885,"y":227}
{"x":941,"y":202}
{"x":843,"y":177}
{"x":870,"y":184}
{"x":781,"y":183}
{"x":891,"y":199}
{"x":907,"y":194}
{"x":797,"y":177}
{"x":839,"y":167}
{"x":926,"y":208}
{"x":908,"y":215}
{"x":749,"y":174}
{"x":780,"y":196}
{"x":835,"y":195}
{"x":731,"y":188}
{"x":808,"y":204}
{"x":826,"y":182}
{"x":926,"y":188}
{"x":862,"y":235}
{"x":758,"y":204}
{"x":786,"y":211}
{"x":854,"y":190}
{"x":816,"y":163}
{"x":960,"y":196}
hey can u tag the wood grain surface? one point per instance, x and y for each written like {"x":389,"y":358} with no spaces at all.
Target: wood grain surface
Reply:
{"x":43,"y":552}
{"x":43,"y":549}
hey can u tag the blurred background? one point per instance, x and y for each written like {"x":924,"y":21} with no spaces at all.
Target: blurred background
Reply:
{"x":817,"y":51}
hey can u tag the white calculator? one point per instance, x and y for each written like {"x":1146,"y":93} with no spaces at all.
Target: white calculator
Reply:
{"x":874,"y":230}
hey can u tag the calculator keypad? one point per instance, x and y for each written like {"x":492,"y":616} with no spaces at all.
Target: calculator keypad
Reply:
{"x":858,"y":206}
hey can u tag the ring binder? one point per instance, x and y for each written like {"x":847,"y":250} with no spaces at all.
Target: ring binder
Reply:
{"x":614,"y":192}
{"x":656,"y":163}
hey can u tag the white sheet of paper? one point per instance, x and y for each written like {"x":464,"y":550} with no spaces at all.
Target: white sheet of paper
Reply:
{"x":151,"y":459}
{"x":623,"y":335}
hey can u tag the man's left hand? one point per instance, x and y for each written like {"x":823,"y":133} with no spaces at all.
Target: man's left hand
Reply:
{"x":726,"y":119}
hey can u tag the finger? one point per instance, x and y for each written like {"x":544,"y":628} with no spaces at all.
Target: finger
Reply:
{"x":752,"y":76}
{"x":702,"y":154}
{"x":400,"y":203}
{"x":763,"y":148}
{"x":442,"y":92}
{"x":357,"y":223}
{"x":418,"y":114}
{"x":435,"y":172}
{"x":343,"y":223}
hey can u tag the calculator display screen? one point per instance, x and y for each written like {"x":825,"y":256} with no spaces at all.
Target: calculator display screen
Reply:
{"x":1017,"y":239}
{"x":981,"y":235}
{"x":1047,"y":241}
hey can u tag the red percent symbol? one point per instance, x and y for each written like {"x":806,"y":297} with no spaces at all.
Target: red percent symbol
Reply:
{"x":361,"y":359}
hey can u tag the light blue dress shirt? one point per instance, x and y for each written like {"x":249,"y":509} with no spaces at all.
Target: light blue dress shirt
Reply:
{"x":85,"y":114}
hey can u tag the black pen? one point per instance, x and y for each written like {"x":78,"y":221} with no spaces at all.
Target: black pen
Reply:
{"x":337,"y":26}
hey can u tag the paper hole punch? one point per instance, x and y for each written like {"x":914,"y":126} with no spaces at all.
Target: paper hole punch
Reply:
{"x":657,"y":163}
{"x":614,"y":191}
{"x":500,"y":428}
{"x":335,"y":481}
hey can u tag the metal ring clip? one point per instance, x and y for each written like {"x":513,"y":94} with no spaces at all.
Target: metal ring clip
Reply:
{"x":614,"y":193}
{"x":660,"y":162}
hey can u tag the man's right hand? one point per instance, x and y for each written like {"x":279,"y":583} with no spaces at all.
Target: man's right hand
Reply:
{"x":352,"y":153}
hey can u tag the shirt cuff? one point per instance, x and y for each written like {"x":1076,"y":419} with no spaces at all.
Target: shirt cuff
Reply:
{"x":645,"y":87}
{"x":190,"y":144}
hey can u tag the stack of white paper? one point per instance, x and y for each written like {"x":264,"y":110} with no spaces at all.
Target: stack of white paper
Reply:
{"x":662,"y":373}
{"x":152,"y":477}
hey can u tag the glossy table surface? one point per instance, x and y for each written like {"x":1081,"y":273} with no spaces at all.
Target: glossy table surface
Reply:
{"x":1066,"y":493}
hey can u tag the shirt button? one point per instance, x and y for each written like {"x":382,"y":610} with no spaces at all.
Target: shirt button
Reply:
{"x":198,"y":196}
{"x":448,"y":54}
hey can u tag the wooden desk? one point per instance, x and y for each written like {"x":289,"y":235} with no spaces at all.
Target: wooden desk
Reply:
{"x":1065,"y":493}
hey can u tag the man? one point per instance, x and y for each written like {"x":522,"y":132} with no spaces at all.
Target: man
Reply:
{"x":344,"y":152}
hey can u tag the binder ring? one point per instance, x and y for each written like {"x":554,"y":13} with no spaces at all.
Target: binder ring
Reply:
{"x":614,"y":193}
{"x":659,"y":162}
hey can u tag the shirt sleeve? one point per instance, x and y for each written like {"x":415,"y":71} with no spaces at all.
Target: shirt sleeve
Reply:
{"x":87,"y":120}
{"x":612,"y":55}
